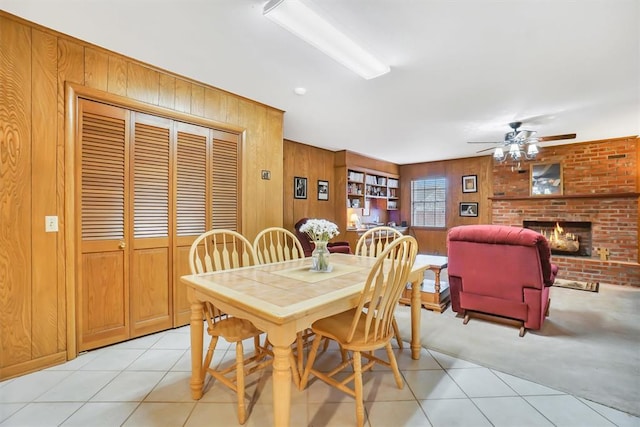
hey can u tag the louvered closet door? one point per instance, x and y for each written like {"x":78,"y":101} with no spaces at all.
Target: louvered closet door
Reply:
{"x":225,"y":206}
{"x":102,"y":227}
{"x":208,"y":191}
{"x":192,"y":203}
{"x":150,"y":273}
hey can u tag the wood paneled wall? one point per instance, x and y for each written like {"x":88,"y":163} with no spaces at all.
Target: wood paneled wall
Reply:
{"x":434,"y":241}
{"x":314,"y":164}
{"x":35,"y":64}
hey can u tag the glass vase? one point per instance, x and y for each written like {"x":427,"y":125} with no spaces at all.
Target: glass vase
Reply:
{"x":320,"y":257}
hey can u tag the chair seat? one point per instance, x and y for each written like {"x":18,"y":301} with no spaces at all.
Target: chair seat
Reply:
{"x":234,"y":329}
{"x":337,"y":328}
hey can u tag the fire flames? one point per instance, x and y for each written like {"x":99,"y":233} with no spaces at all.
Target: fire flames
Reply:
{"x":561,"y":241}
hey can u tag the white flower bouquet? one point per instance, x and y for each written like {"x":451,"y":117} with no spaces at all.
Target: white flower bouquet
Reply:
{"x":320,"y":230}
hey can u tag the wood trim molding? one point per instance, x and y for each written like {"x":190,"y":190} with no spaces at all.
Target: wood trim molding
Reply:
{"x":70,"y":136}
{"x":132,"y":104}
{"x":568,"y":196}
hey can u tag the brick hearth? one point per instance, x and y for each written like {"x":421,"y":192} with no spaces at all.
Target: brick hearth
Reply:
{"x":599,"y":186}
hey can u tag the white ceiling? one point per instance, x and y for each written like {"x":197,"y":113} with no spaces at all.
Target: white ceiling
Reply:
{"x":461,"y":70}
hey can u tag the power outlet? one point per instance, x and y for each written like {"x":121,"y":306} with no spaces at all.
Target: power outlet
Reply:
{"x":51,"y":224}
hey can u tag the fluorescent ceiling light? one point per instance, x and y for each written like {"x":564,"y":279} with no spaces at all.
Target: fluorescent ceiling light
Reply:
{"x":299,"y":19}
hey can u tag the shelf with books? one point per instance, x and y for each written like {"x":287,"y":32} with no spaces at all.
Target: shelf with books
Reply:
{"x":365,"y":185}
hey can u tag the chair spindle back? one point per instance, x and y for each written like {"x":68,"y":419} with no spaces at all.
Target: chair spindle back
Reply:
{"x":385,"y":283}
{"x":277,"y":244}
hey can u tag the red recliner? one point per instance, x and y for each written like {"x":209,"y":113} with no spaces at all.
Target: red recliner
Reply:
{"x":308,"y":245}
{"x":500,"y":270}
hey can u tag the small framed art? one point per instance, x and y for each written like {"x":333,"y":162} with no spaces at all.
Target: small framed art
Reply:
{"x":470,"y":184}
{"x":299,"y":187}
{"x":468,"y":209}
{"x":323,"y":190}
{"x":546,"y":179}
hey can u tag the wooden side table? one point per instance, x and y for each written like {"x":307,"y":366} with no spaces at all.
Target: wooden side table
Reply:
{"x":433,"y":294}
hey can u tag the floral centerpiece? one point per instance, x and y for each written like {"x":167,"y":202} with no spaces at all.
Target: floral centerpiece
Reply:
{"x":320,"y":231}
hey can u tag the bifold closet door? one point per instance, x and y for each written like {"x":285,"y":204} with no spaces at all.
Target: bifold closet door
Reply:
{"x":192,"y":203}
{"x":207,"y":195}
{"x":150,"y":273}
{"x":124,"y":277}
{"x":102,"y":168}
{"x":146,"y":187}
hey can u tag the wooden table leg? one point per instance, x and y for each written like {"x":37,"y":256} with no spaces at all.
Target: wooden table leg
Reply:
{"x":196,"y":331}
{"x":281,"y":339}
{"x":416,"y":305}
{"x":436,"y":272}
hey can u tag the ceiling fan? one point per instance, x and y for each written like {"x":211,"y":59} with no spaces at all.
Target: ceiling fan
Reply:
{"x":519,"y":143}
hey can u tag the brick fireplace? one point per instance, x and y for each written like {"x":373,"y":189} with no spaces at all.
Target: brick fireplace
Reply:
{"x":600,"y":189}
{"x":571,"y":238}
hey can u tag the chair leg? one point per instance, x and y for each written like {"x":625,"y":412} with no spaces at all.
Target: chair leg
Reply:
{"x":466,"y":319}
{"x":394,"y":366}
{"x":207,"y":360}
{"x":546,"y":312}
{"x":522,"y":330}
{"x":300,"y":350}
{"x":357,"y":367}
{"x":242,"y":414}
{"x":315,"y":345}
{"x":396,"y":331}
{"x":326,"y":345}
{"x":343,"y":354}
{"x":258,"y":348}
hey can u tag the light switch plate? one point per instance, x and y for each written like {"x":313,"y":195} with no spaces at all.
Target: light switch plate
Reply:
{"x":51,"y":224}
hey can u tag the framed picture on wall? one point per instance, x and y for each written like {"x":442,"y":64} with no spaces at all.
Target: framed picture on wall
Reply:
{"x":468,"y":209}
{"x":546,"y":179}
{"x":323,"y":190}
{"x":470,"y":184}
{"x":299,"y":187}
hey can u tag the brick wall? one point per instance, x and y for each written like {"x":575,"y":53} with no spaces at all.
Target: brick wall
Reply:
{"x":600,"y":185}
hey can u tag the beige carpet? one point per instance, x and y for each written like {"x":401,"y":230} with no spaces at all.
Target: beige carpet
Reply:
{"x":589,"y":345}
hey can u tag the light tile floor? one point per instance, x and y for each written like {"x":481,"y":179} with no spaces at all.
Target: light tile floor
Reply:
{"x":145,"y":382}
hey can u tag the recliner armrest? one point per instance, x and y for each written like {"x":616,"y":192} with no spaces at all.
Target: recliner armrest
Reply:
{"x":339,"y":247}
{"x":552,"y":278}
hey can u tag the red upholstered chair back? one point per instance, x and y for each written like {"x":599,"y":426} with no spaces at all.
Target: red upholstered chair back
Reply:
{"x":308,"y":246}
{"x":492,"y":267}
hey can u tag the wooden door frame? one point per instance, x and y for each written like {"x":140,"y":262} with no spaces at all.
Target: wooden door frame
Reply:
{"x":73,"y":92}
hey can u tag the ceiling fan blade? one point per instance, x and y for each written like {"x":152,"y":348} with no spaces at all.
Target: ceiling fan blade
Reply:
{"x":557,"y":137}
{"x":486,"y":149}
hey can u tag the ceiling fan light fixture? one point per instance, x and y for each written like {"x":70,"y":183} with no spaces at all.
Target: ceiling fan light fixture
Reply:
{"x":305,"y":23}
{"x":519,"y":145}
{"x":515,"y":155}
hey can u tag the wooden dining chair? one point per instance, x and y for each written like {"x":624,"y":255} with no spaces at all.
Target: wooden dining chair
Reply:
{"x":218,"y":250}
{"x":373,"y":242}
{"x":366,"y":328}
{"x":276,"y":244}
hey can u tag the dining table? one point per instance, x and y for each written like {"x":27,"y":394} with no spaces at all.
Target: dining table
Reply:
{"x":282,"y":299}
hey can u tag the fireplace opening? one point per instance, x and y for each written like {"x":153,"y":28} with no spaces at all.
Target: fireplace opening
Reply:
{"x":571,"y":238}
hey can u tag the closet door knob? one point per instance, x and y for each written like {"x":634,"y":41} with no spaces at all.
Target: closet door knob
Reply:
{"x":122,"y":245}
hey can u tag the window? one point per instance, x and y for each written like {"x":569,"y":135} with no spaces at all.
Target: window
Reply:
{"x":428,"y":202}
